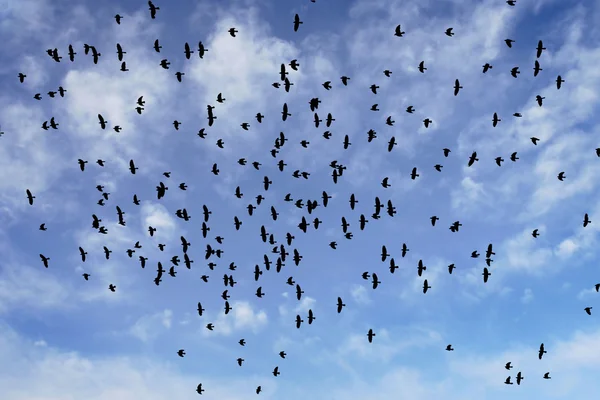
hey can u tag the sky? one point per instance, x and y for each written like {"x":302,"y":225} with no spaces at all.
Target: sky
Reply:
{"x":62,"y":337}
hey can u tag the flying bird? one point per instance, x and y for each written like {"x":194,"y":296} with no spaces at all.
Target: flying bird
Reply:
{"x":297,"y":22}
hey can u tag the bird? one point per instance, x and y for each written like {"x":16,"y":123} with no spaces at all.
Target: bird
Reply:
{"x":536,"y":68}
{"x":22,"y":77}
{"x":519,"y":377}
{"x":232,"y":31}
{"x":542,"y":351}
{"x":449,"y":348}
{"x":457,"y":87}
{"x":340,"y":305}
{"x":449,"y":32}
{"x":297,"y":22}
{"x":44,"y":260}
{"x":540,"y":47}
{"x":586,"y":221}
{"x":370,"y":335}
{"x":559,"y":82}
{"x":399,"y":33}
{"x":539,"y":99}
{"x":588,"y":310}
{"x":509,"y":42}
{"x":30,"y":197}
{"x":199,"y":389}
{"x":153,"y":9}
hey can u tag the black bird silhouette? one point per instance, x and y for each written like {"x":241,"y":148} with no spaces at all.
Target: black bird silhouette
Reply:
{"x":486,"y":274}
{"x":449,"y":32}
{"x":44,"y":260}
{"x":30,"y":197}
{"x":425,"y":286}
{"x":457,"y":87}
{"x":370,"y":335}
{"x":519,"y":377}
{"x":153,"y":9}
{"x":120,"y":52}
{"x":102,"y":121}
{"x":340,"y":305}
{"x":541,"y":352}
{"x":586,"y":219}
{"x":536,"y":68}
{"x":421,"y":268}
{"x":495,"y":120}
{"x":232,"y":31}
{"x":71,"y":53}
{"x":539,"y":49}
{"x":82,"y":164}
{"x":399,"y":32}
{"x":539,"y":99}
{"x":297,"y":22}
{"x":472,"y":159}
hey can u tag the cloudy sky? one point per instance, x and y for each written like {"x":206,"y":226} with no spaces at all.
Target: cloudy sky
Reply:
{"x":62,"y":337}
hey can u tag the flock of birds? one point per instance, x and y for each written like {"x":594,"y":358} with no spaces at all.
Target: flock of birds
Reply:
{"x":311,"y":205}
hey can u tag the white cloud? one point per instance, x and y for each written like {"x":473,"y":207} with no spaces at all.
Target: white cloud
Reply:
{"x":30,"y":288}
{"x":360,"y":294}
{"x":527,"y":296}
{"x":157,"y":216}
{"x":305,"y":303}
{"x":149,"y":327}
{"x":59,"y":375}
{"x":241,"y":317}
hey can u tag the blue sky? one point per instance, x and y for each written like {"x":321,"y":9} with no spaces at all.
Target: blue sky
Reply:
{"x":64,"y":337}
